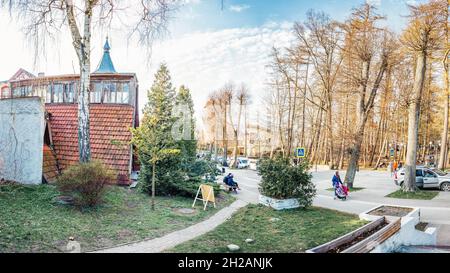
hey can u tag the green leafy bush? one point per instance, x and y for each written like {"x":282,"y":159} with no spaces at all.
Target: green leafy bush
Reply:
{"x":282,"y":180}
{"x":85,"y":183}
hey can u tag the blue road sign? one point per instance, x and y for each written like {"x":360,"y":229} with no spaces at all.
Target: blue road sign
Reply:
{"x":300,"y":152}
{"x":391,"y":152}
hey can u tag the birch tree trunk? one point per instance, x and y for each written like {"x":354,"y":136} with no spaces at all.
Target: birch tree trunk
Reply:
{"x":82,"y":47}
{"x":83,"y":113}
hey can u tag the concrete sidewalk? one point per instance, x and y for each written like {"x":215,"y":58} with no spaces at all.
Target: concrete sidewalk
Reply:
{"x":177,"y":237}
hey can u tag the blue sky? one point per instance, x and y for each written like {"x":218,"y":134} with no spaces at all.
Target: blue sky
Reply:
{"x":207,"y":15}
{"x":205,"y":48}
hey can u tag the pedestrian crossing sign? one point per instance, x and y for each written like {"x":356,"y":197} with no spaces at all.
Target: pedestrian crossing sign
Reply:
{"x":300,"y":152}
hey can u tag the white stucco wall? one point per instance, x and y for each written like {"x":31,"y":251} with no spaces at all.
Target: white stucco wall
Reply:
{"x":21,"y":139}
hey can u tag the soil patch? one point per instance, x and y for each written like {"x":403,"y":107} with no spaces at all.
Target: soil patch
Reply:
{"x":64,"y":200}
{"x":358,"y":239}
{"x":422,"y":226}
{"x":124,"y":233}
{"x":391,"y":211}
{"x":185,"y":211}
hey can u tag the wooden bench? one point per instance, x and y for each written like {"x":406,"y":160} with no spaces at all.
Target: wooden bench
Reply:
{"x":228,"y":187}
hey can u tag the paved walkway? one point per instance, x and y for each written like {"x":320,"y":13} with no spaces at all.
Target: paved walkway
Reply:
{"x":177,"y":237}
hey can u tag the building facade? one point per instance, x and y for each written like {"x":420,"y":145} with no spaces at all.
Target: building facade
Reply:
{"x":113,"y":111}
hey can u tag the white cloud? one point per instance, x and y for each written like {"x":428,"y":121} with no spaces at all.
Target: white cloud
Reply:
{"x":411,"y":2}
{"x":205,"y":61}
{"x":238,"y":8}
{"x":194,"y":2}
{"x":374,"y":2}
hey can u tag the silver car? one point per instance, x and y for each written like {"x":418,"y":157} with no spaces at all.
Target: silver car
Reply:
{"x":427,"y":178}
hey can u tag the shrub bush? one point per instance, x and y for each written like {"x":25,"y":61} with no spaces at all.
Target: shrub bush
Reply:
{"x":85,"y":183}
{"x":189,"y":187}
{"x":201,"y":168}
{"x":181,"y":178}
{"x":282,"y":180}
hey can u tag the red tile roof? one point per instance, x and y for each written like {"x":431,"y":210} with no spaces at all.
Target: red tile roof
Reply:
{"x":110,"y":135}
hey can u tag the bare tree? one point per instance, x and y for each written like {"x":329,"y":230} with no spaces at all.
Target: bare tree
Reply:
{"x":44,"y":19}
{"x":242,"y":97}
{"x":221,"y":101}
{"x":421,"y":38}
{"x":321,"y":38}
{"x":364,"y":42}
{"x":446,"y":50}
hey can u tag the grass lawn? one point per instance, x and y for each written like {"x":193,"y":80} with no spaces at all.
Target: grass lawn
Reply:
{"x":295,"y":231}
{"x":31,"y":220}
{"x":419,"y":194}
{"x":351,"y":190}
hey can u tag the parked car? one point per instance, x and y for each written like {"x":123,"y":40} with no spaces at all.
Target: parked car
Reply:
{"x":220,"y":160}
{"x":243,"y":163}
{"x":427,"y":178}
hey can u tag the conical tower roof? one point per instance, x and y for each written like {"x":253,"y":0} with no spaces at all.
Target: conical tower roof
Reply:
{"x":106,"y":65}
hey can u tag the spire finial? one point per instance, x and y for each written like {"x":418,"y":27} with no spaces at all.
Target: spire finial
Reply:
{"x":106,"y":47}
{"x":106,"y":65}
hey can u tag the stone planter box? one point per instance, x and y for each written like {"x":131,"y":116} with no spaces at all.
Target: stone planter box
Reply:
{"x":279,"y":204}
{"x":407,"y":235}
{"x":414,"y":213}
{"x":365,"y":245}
{"x":400,"y":231}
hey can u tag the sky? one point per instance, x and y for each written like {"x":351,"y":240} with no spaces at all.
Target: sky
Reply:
{"x":206,"y":46}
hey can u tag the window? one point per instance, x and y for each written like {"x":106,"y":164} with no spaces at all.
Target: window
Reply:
{"x":22,"y":91}
{"x":439,"y":172}
{"x":58,"y":95}
{"x":48,"y":94}
{"x":419,"y":173}
{"x":125,"y":94}
{"x":69,"y":92}
{"x":429,"y":173}
{"x":39,"y":91}
{"x":96,"y":92}
{"x":110,"y":92}
{"x":4,"y":92}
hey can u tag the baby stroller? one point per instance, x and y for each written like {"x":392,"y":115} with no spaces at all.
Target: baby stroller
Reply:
{"x":341,"y":192}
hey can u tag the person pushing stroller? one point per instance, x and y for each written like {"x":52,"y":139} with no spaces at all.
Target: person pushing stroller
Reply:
{"x":340,"y":191}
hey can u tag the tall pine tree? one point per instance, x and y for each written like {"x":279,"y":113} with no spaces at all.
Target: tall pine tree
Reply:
{"x":165,"y":142}
{"x":153,"y":139}
{"x":185,"y":115}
